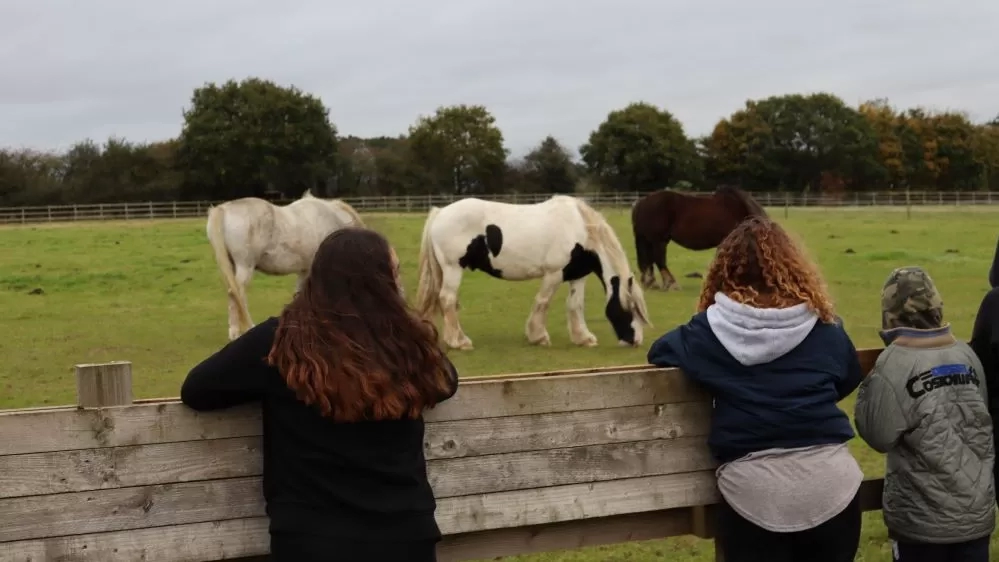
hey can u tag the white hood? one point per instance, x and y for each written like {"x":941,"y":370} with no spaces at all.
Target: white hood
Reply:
{"x":757,"y":335}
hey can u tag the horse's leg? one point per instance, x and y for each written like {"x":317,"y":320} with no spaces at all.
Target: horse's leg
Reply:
{"x":648,"y":278}
{"x":669,"y":282}
{"x":536,"y":321}
{"x":578,"y":331}
{"x":243,"y":276}
{"x":300,"y":281}
{"x":454,"y":337}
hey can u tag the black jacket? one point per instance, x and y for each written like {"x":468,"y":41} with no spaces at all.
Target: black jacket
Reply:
{"x":985,"y":341}
{"x":363,"y":480}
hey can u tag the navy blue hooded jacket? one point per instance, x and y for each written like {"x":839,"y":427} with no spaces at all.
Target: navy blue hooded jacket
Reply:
{"x":775,"y":375}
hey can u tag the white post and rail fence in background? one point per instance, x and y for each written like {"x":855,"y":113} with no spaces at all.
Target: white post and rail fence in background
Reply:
{"x":421,"y":203}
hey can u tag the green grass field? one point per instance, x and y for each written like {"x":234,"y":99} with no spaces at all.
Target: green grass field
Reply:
{"x":149,"y":292}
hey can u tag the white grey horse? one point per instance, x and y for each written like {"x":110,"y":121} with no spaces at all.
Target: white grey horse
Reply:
{"x":252,"y":234}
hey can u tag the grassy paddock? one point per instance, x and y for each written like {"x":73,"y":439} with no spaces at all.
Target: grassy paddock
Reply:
{"x":149,"y":292}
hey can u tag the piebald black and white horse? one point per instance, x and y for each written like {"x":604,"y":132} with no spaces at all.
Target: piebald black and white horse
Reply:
{"x":560,"y":240}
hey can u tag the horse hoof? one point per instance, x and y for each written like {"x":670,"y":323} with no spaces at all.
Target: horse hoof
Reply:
{"x":544,"y":341}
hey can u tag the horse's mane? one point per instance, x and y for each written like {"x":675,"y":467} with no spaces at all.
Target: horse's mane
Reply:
{"x":601,"y":233}
{"x":340,"y":204}
{"x":752,"y":206}
{"x":354,"y":215}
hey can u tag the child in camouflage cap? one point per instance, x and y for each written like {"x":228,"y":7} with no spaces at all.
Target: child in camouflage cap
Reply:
{"x":925,"y":405}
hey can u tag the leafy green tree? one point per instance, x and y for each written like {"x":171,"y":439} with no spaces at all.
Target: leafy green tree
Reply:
{"x":549,"y":168}
{"x":459,"y":149}
{"x":794,"y":142}
{"x":31,"y":177}
{"x":641,"y":147}
{"x":252,"y":137}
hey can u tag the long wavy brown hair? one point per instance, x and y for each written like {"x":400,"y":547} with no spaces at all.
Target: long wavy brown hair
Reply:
{"x":349,"y":344}
{"x":760,"y":265}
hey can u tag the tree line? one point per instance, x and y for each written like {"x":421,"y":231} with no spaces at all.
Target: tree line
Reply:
{"x":258,"y":138}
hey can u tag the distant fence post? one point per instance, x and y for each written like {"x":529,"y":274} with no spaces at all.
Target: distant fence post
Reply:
{"x":104,"y":384}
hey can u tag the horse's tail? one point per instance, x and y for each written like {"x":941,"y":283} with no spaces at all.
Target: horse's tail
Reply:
{"x":216,"y":237}
{"x":430,"y":273}
{"x":354,"y":215}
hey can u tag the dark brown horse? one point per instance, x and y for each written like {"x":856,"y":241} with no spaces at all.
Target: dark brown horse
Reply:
{"x":695,"y":222}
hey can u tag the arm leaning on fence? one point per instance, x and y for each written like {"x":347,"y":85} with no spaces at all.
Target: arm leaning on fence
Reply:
{"x":234,"y":375}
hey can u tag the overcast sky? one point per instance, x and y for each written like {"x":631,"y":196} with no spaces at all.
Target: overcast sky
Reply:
{"x":71,"y":69}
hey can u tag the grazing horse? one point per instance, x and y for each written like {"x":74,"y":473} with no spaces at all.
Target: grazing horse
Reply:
{"x":252,"y":234}
{"x":695,"y":222}
{"x":559,"y":240}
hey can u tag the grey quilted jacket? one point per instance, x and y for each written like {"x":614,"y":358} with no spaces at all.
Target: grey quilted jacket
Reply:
{"x":924,"y":405}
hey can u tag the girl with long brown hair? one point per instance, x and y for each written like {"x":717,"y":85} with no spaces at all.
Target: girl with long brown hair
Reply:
{"x":767,"y":345}
{"x":343,"y":375}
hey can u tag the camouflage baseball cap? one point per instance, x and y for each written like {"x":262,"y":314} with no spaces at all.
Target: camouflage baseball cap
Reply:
{"x":909,"y":299}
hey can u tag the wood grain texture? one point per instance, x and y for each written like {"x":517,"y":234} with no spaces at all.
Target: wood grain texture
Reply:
{"x":246,"y":538}
{"x":463,"y":438}
{"x":100,"y":511}
{"x":104,"y":384}
{"x":118,"y":509}
{"x":138,"y":424}
{"x":575,"y":501}
{"x":556,"y":467}
{"x":198,"y":542}
{"x":564,"y":536}
{"x":137,"y":465}
{"x":190,"y":461}
{"x":56,"y":430}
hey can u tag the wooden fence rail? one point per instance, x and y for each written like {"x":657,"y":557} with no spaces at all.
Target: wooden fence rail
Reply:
{"x":420,"y":203}
{"x":519,"y":463}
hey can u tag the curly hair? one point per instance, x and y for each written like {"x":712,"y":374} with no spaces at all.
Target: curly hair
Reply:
{"x":760,"y":265}
{"x":349,"y":344}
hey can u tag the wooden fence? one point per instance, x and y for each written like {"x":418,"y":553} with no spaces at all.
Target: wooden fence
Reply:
{"x":518,"y":463}
{"x":420,"y":203}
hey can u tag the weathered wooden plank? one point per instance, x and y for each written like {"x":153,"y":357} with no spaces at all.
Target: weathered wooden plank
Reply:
{"x":137,"y":465}
{"x":188,"y":461}
{"x":197,"y":542}
{"x":170,"y":422}
{"x":540,"y":395}
{"x":462,"y":438}
{"x":120,"y":509}
{"x":541,"y":506}
{"x":57,"y":429}
{"x":61,"y":430}
{"x":555,"y":467}
{"x":569,"y":535}
{"x":117,"y":509}
{"x":235,"y":538}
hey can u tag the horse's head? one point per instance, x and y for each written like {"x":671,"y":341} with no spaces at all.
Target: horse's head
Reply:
{"x":626,"y":311}
{"x":625,"y":306}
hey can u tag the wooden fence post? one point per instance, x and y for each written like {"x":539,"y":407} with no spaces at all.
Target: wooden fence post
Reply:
{"x":702,"y":523}
{"x":104,"y":384}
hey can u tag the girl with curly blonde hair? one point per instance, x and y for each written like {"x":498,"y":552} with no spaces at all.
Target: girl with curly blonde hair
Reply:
{"x":767,"y":345}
